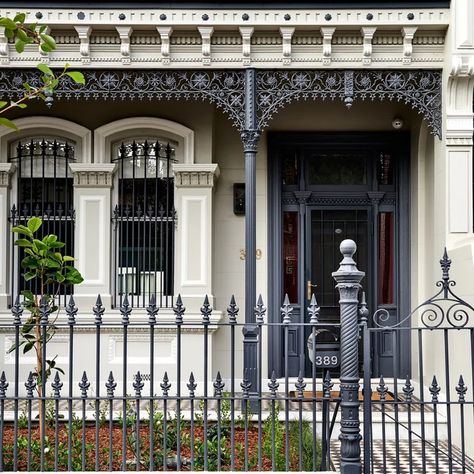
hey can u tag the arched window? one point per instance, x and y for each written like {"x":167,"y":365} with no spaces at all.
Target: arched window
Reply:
{"x":43,"y":187}
{"x":144,"y":220}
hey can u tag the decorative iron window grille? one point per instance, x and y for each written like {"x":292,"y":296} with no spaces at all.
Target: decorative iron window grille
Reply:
{"x":144,"y":223}
{"x":44,"y":188}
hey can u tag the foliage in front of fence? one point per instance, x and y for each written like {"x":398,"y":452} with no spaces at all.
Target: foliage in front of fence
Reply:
{"x":49,"y":271}
{"x":187,"y":437}
{"x":16,"y":30}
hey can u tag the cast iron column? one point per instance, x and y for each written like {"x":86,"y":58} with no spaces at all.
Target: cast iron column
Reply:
{"x":250,"y":137}
{"x":348,"y":279}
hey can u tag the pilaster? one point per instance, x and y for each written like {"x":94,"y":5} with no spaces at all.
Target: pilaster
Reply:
{"x":194,"y":185}
{"x":92,"y":201}
{"x":6,"y":171}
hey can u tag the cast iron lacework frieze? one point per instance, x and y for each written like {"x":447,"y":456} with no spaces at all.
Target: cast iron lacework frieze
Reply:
{"x":419,"y":89}
{"x":225,"y":89}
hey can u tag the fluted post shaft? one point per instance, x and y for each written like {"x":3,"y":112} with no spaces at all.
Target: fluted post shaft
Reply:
{"x":348,"y":279}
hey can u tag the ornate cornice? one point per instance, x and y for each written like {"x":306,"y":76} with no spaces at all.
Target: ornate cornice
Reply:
{"x":197,"y":175}
{"x":88,"y":175}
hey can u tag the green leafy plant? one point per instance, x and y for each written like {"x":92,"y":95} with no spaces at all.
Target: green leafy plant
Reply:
{"x":52,"y":271}
{"x":21,"y":34}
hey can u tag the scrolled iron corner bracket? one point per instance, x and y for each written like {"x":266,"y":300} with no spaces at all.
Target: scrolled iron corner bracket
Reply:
{"x":420,"y":89}
{"x":225,"y":89}
{"x":444,"y":307}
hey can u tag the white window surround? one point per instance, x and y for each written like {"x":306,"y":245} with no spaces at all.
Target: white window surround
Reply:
{"x":48,"y":126}
{"x":105,"y":136}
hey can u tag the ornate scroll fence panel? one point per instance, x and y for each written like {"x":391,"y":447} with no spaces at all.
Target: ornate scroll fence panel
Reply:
{"x":423,"y":419}
{"x":227,"y":89}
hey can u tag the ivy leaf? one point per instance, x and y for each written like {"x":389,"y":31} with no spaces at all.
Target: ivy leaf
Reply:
{"x":76,"y":76}
{"x":8,"y":123}
{"x":45,"y":69}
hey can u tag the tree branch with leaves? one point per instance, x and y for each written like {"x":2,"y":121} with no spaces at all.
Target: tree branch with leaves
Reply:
{"x":21,"y":34}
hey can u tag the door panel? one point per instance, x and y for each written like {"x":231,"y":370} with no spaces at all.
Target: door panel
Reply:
{"x":327,"y":229}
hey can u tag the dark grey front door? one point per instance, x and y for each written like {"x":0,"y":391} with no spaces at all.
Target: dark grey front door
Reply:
{"x":325,"y":188}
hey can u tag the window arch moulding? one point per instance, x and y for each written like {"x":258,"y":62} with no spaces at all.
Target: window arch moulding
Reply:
{"x":48,"y":126}
{"x":107,"y":135}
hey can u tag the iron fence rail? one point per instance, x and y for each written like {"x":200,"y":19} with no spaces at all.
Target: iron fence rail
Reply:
{"x":179,"y":421}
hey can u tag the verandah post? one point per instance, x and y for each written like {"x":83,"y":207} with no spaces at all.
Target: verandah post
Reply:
{"x":250,"y":137}
{"x":348,"y":279}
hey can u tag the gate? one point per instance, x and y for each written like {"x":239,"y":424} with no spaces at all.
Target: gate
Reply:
{"x":421,"y":421}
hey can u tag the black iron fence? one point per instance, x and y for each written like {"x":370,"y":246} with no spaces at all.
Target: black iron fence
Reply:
{"x":97,"y":410}
{"x":153,"y":419}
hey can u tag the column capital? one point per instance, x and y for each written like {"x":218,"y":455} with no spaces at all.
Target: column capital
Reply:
{"x":195,"y":175}
{"x":250,"y":139}
{"x":93,"y":175}
{"x":6,"y":170}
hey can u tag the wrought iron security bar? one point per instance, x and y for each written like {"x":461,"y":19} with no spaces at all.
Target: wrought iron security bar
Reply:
{"x":163,"y":420}
{"x":44,"y":188}
{"x":144,"y":224}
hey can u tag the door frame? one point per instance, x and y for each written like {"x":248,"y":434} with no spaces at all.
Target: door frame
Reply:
{"x":400,"y":141}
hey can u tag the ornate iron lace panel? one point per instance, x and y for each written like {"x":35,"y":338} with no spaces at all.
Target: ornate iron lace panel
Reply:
{"x":226,"y":89}
{"x":419,"y":89}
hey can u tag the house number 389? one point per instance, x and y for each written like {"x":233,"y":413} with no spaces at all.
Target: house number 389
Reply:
{"x":258,"y":254}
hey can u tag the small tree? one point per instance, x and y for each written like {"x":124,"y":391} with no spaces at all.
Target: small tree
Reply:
{"x":52,"y":271}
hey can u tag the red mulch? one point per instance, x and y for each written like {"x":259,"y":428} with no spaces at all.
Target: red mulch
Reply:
{"x":104,"y":440}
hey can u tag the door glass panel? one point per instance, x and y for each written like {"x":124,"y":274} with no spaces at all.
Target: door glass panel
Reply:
{"x":328,"y":229}
{"x":386,"y":258}
{"x":289,"y":169}
{"x":290,"y":255}
{"x":385,"y":169}
{"x":337,"y":169}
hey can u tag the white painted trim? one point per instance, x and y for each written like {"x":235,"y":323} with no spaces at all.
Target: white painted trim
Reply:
{"x":41,"y":125}
{"x":125,"y":128}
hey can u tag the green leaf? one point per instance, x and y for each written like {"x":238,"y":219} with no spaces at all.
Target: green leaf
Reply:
{"x":45,"y":69}
{"x":76,"y":76}
{"x":49,"y":40}
{"x":34,"y":224}
{"x":2,"y":104}
{"x":22,"y":35}
{"x":60,"y":277}
{"x":27,"y":294}
{"x":20,"y":46}
{"x":46,"y":48}
{"x":29,"y":276}
{"x":67,"y":258}
{"x":57,"y":245}
{"x":28,"y":347}
{"x":42,"y":28}
{"x":8,"y":23}
{"x":23,"y":243}
{"x":8,"y":123}
{"x":20,"y":106}
{"x":20,"y":18}
{"x":21,"y":229}
{"x":10,"y":34}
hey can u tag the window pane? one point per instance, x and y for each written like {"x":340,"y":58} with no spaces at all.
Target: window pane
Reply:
{"x":386,"y":258}
{"x":290,"y":255}
{"x":337,"y":168}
